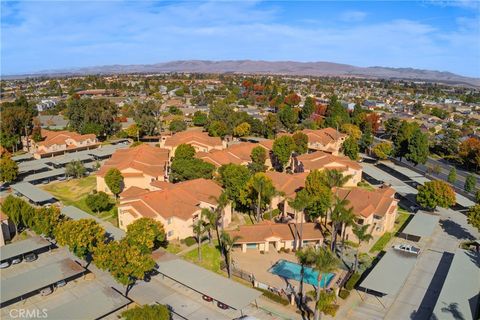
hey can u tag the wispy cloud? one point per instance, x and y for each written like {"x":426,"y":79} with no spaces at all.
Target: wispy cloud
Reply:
{"x":37,"y":36}
{"x":353,"y":16}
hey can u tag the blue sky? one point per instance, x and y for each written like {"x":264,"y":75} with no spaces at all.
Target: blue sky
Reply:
{"x":437,"y":35}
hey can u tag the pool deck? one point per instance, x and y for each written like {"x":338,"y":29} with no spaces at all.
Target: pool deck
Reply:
{"x":258,"y":264}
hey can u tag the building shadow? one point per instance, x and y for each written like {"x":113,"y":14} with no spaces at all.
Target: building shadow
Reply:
{"x":454,"y":229}
{"x":430,"y":298}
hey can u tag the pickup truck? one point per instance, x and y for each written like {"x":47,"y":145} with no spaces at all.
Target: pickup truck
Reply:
{"x":407,"y":248}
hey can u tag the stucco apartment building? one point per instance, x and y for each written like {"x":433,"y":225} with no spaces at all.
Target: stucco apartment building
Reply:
{"x":201,"y":141}
{"x":237,"y":153}
{"x":140,"y":166}
{"x":328,"y":140}
{"x":377,"y":208}
{"x":59,"y":142}
{"x":267,"y":235}
{"x":320,"y":160}
{"x":288,"y":185}
{"x":176,"y":206}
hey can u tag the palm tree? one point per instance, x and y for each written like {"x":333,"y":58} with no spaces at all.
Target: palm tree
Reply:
{"x":228,"y":243}
{"x":199,"y":230}
{"x":325,"y":262}
{"x":363,"y":236}
{"x":211,"y":223}
{"x":339,"y":211}
{"x":218,"y":213}
{"x":347,"y":219}
{"x":305,"y":257}
{"x":325,"y":302}
{"x":334,"y":178}
{"x":264,"y":189}
{"x":301,"y":201}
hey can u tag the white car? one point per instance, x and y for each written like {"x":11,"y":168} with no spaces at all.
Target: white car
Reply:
{"x":407,"y":248}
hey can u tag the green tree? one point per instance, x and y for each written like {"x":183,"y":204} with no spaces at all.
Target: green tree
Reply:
{"x":282,"y":150}
{"x":301,"y":201}
{"x":258,"y":193}
{"x":288,"y":116}
{"x":81,"y":236}
{"x":234,"y":177}
{"x":114,"y":181}
{"x":177,"y":125}
{"x":125,"y":263}
{"x":184,"y":151}
{"x":227,"y":245}
{"x":258,"y":156}
{"x":8,"y":169}
{"x":271,"y":126}
{"x":145,"y":233}
{"x":320,"y":193}
{"x":449,"y":142}
{"x":75,"y":169}
{"x":473,"y":216}
{"x":325,"y":262}
{"x":383,"y":150}
{"x":436,"y":193}
{"x":95,"y":116}
{"x":366,"y":140}
{"x":15,"y":208}
{"x":402,"y":138}
{"x":217,"y":129}
{"x":336,"y":114}
{"x":133,"y":131}
{"x":189,"y":169}
{"x":146,"y":116}
{"x":350,"y":148}
{"x":199,"y":118}
{"x":452,"y":175}
{"x":98,"y":201}
{"x":353,"y":131}
{"x":362,"y":234}
{"x":147,"y":312}
{"x":46,"y":219}
{"x":470,"y":183}
{"x":243,"y":129}
{"x":417,"y":148}
{"x":308,"y":108}
{"x":392,"y":126}
{"x":300,"y":141}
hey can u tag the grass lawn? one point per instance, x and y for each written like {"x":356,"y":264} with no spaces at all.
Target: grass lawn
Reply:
{"x":385,"y":239}
{"x":174,"y":247}
{"x":74,"y":192}
{"x":211,"y":257}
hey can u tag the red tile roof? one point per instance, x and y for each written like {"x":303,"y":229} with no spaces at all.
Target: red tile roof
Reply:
{"x":322,"y":160}
{"x":366,"y":202}
{"x":287,"y":183}
{"x":193,"y":137}
{"x":264,"y":230}
{"x":144,"y":158}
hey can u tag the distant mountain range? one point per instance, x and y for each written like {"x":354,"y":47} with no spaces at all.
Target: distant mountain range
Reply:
{"x":274,"y":67}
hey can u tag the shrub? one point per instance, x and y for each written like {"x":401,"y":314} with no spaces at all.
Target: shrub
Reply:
{"x":190,"y":241}
{"x":344,"y":294}
{"x":274,"y":297}
{"x":352,"y":281}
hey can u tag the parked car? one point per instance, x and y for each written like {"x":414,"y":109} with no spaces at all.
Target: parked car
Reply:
{"x":30,"y":257}
{"x":46,"y":291}
{"x":207,"y":298}
{"x":16,"y":260}
{"x":407,"y":248}
{"x":222,"y":305}
{"x":4,"y":265}
{"x":61,"y":283}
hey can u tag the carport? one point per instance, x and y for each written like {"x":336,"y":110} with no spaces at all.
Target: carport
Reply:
{"x":19,"y":248}
{"x":421,"y":226}
{"x":94,"y":305}
{"x":207,"y":283}
{"x":47,"y":175}
{"x":76,"y":214}
{"x":459,"y":296}
{"x":34,"y":165}
{"x":22,"y":157}
{"x":389,"y":274}
{"x":29,"y":283}
{"x":104,"y":152}
{"x":62,"y":161}
{"x":34,"y":194}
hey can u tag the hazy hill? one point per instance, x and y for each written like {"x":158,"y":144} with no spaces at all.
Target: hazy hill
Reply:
{"x":275,"y":67}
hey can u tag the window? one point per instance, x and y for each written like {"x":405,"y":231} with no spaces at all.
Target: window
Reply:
{"x":170,"y":233}
{"x":169,"y":220}
{"x":360,"y":221}
{"x":121,"y":223}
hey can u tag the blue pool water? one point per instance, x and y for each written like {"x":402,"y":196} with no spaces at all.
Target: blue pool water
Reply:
{"x":291,"y":270}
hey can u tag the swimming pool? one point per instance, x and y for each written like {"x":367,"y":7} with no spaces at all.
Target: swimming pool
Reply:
{"x":291,"y":270}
